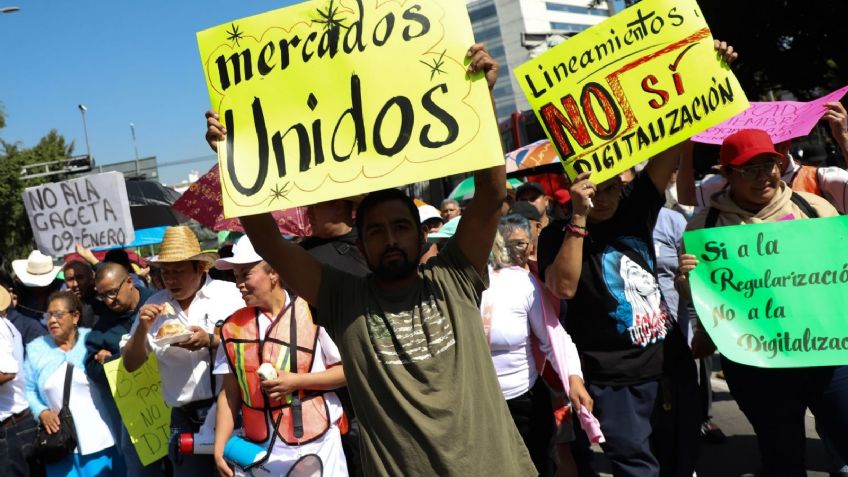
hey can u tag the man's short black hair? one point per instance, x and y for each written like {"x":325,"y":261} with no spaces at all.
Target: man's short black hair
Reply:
{"x":119,"y":256}
{"x":375,"y":198}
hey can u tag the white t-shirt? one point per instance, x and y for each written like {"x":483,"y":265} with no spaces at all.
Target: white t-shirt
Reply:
{"x":12,"y":393}
{"x":185,"y":374}
{"x":833,"y":182}
{"x":512,"y":310}
{"x":93,"y":434}
{"x":328,"y":447}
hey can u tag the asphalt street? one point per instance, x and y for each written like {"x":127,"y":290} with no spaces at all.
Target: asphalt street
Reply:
{"x":738,"y":456}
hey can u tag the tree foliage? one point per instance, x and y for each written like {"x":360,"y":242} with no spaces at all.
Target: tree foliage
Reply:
{"x":16,"y":238}
{"x":786,"y":45}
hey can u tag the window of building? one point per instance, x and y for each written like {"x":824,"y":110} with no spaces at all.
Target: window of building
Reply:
{"x":568,"y":27}
{"x":485,"y":11}
{"x":559,"y":7}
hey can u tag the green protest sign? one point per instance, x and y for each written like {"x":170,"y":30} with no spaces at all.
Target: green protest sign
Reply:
{"x":774,"y":295}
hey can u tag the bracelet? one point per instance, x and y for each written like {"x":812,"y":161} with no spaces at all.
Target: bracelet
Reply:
{"x":578,"y":226}
{"x":577,"y":230}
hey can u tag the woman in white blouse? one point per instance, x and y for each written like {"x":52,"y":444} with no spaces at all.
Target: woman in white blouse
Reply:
{"x":46,"y":363}
{"x":513,"y":310}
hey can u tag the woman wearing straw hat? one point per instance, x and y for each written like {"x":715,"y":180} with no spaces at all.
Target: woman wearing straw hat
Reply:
{"x":196,"y":302}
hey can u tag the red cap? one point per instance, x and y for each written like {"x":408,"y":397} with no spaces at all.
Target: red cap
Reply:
{"x":562,"y":196}
{"x":742,"y":146}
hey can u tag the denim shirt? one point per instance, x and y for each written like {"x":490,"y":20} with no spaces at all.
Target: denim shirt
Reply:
{"x":44,"y":357}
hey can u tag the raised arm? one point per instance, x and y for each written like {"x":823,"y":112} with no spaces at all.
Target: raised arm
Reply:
{"x":686,"y":176}
{"x":686,"y":172}
{"x":299,"y":270}
{"x":296,"y":267}
{"x":563,"y":275}
{"x":476,"y":232}
{"x":837,"y":119}
{"x":661,"y":167}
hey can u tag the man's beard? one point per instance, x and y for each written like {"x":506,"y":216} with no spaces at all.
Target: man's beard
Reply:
{"x":396,"y":270}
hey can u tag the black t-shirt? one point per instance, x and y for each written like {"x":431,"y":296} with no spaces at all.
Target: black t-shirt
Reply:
{"x":617,"y":317}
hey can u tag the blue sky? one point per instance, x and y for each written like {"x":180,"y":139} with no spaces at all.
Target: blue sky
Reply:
{"x":126,"y":62}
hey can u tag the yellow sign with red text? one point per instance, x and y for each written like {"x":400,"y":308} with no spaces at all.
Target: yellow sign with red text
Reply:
{"x":630,"y":87}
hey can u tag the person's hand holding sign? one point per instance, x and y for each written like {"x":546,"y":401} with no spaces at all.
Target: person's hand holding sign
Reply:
{"x":215,"y":131}
{"x":582,"y":191}
{"x":687,"y":263}
{"x":837,"y":118}
{"x":480,"y":60}
{"x":725,"y":51}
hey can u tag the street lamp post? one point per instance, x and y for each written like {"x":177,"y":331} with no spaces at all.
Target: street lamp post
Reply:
{"x":83,"y":109}
{"x":135,"y":147}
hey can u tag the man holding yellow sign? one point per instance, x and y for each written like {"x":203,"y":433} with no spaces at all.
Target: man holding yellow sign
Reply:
{"x":415,"y":357}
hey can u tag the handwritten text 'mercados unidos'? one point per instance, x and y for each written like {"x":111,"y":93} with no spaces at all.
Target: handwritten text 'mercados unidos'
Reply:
{"x":323,"y":44}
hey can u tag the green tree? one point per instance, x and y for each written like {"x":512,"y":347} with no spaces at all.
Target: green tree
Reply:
{"x":16,"y":238}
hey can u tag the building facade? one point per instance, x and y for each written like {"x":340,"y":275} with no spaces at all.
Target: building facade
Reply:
{"x":517,"y":30}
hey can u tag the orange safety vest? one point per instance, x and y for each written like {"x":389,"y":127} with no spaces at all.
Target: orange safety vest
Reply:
{"x":806,"y":180}
{"x":246,"y":352}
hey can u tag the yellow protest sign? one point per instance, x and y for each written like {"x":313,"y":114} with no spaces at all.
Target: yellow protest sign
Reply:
{"x":144,"y":413}
{"x":332,"y":98}
{"x":630,"y":87}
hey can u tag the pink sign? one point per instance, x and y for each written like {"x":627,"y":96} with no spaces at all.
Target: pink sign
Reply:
{"x":783,"y":120}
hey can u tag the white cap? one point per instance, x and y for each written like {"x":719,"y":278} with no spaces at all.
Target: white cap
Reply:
{"x":428,"y":212}
{"x":243,"y":254}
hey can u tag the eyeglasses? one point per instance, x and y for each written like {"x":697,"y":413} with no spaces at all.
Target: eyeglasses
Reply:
{"x":111,"y":294}
{"x":57,"y":314}
{"x":752,"y":172}
{"x":517,"y":244}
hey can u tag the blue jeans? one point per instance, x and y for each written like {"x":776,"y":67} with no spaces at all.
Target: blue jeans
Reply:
{"x":189,"y":419}
{"x":775,"y":400}
{"x":626,"y":414}
{"x":676,"y":436}
{"x":16,"y":450}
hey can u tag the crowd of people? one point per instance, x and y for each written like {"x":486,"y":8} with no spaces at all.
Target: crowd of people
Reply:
{"x":500,"y":338}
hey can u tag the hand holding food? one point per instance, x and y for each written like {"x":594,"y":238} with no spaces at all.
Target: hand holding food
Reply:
{"x":267,"y":371}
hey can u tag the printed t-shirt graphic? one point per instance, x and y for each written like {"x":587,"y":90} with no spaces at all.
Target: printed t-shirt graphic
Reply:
{"x":641,"y":311}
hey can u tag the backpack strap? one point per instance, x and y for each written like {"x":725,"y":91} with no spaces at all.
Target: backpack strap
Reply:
{"x":712,"y":218}
{"x":804,"y":205}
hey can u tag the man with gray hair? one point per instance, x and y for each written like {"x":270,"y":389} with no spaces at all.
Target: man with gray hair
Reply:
{"x":450,"y":209}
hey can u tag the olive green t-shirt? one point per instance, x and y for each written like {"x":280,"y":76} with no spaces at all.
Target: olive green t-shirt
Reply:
{"x":420,"y":373}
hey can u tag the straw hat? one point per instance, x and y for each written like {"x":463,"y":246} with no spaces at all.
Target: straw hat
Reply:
{"x":5,"y":299}
{"x":179,"y":245}
{"x":37,"y":270}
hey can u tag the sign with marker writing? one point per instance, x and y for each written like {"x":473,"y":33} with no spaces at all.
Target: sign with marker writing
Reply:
{"x":328,"y":99}
{"x":769,"y":298}
{"x":783,"y":120}
{"x":138,"y":396}
{"x":630,"y":87}
{"x":93,"y":211}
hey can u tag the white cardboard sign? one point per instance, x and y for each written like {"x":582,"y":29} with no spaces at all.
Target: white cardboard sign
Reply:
{"x":93,"y":211}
